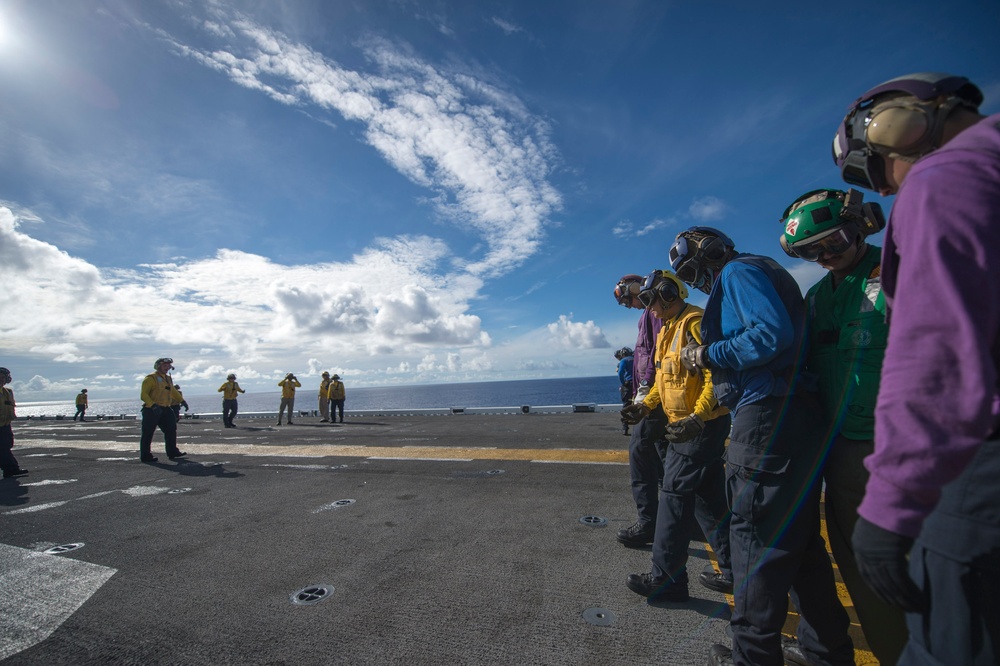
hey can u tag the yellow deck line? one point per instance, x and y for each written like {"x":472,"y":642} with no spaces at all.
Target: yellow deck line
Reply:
{"x":354,"y":451}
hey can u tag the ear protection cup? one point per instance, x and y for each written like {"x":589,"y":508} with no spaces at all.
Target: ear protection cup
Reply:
{"x":873,"y":219}
{"x":713,"y":249}
{"x":908,"y":127}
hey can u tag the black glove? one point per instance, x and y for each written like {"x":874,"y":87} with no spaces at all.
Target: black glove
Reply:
{"x":694,"y":356}
{"x":685,"y":429}
{"x":185,"y":405}
{"x":882,"y":562}
{"x":635,"y":413}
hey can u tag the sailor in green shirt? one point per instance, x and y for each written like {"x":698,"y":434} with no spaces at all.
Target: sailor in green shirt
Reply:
{"x":847,"y":340}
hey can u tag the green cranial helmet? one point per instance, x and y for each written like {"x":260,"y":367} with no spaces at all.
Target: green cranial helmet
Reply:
{"x":828,"y":221}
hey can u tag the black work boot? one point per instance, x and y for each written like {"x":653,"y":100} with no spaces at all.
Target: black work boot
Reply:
{"x":636,"y":535}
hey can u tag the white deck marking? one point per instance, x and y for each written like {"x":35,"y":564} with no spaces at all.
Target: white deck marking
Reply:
{"x":38,"y":592}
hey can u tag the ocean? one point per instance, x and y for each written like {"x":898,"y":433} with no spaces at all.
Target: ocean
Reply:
{"x":533,"y":392}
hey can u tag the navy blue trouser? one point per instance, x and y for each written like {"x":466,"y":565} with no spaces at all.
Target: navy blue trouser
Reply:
{"x":772,"y":484}
{"x":956,"y":563}
{"x":693,"y":470}
{"x":162,"y":417}
{"x":645,"y":465}
{"x":8,"y":463}
{"x":229,"y":409}
{"x":845,"y":477}
{"x":336,"y":406}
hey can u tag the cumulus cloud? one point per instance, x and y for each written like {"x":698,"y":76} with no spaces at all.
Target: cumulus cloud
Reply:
{"x":577,"y":335}
{"x":245,"y":305}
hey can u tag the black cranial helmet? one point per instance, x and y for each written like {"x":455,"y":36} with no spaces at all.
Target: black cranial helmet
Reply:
{"x":623,"y":352}
{"x":902,"y":118}
{"x":698,"y":255}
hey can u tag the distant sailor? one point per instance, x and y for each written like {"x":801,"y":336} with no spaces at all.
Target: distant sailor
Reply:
{"x":157,"y":394}
{"x":324,"y":398}
{"x":229,"y":391}
{"x":177,"y":404}
{"x":288,"y":386}
{"x":81,"y":405}
{"x":8,"y":463}
{"x":337,"y":396}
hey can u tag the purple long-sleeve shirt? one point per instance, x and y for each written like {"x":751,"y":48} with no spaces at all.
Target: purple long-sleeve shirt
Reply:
{"x":644,"y":365}
{"x":938,"y":398}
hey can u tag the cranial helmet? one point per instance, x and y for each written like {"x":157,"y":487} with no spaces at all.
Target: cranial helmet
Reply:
{"x":828,"y":221}
{"x":627,"y":289}
{"x":902,"y":118}
{"x":157,"y":362}
{"x":623,"y":352}
{"x":230,"y":376}
{"x":663,"y":285}
{"x":698,"y":255}
{"x":326,"y":374}
{"x":5,"y":375}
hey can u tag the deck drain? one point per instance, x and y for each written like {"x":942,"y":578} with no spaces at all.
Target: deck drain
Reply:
{"x":599,"y":616}
{"x":494,"y":472}
{"x":594,"y":521}
{"x":65,"y":548}
{"x":343,"y":502}
{"x":177,"y":491}
{"x":313,"y":594}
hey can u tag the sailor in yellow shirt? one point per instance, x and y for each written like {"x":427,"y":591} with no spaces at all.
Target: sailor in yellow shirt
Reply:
{"x":288,"y":386}
{"x":692,"y":458}
{"x":81,"y":405}
{"x":8,"y":463}
{"x":229,"y":406}
{"x":337,"y":395}
{"x":157,"y":394}
{"x":324,"y":398}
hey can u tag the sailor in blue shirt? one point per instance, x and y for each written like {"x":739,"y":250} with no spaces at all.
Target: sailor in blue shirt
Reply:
{"x":753,"y":330}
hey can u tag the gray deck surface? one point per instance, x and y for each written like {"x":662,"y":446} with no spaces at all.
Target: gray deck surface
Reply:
{"x":478,"y":559}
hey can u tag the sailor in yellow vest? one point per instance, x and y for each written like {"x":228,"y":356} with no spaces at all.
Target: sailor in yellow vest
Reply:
{"x":157,"y":394}
{"x":324,"y":398}
{"x":337,"y":395}
{"x":176,"y":404}
{"x":81,"y":405}
{"x":692,"y":457}
{"x":229,"y":390}
{"x":288,"y":386}
{"x":7,"y":460}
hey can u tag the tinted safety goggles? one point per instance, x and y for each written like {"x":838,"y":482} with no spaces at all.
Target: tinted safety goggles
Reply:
{"x":838,"y":242}
{"x":685,"y":262}
{"x":859,"y":164}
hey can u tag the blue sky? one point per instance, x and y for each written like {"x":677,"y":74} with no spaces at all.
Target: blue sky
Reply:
{"x":405,"y":192}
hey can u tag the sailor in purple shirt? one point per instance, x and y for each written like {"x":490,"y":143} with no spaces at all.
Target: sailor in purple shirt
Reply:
{"x":928,"y":536}
{"x":644,"y":462}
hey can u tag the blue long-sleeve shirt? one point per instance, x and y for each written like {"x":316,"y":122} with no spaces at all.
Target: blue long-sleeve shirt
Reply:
{"x":754,"y":325}
{"x":625,"y":371}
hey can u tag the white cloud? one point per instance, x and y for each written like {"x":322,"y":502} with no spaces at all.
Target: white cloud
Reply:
{"x":577,"y":335}
{"x":470,"y":143}
{"x":806,"y":274}
{"x":251,"y":309}
{"x":64,"y":352}
{"x":506,"y":26}
{"x":708,"y":209}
